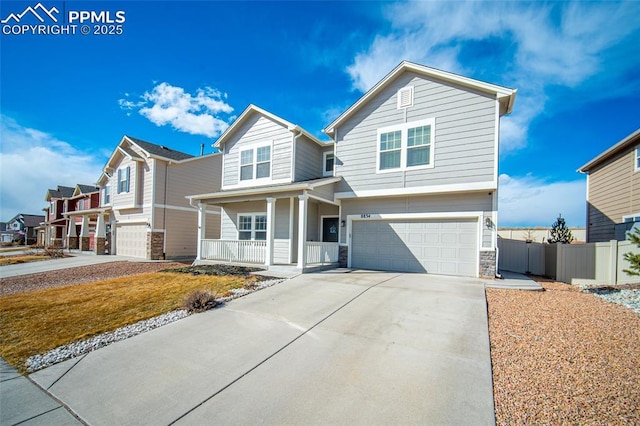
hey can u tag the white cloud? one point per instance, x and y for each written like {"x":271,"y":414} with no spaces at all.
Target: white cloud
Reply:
{"x":533,"y":46}
{"x":32,"y":161}
{"x":204,"y":113}
{"x":528,"y":201}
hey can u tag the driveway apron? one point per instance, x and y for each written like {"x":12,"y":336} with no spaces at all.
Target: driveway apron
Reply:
{"x":361,"y":347}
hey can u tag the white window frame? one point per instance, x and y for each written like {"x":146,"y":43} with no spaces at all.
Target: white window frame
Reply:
{"x":325,"y":156}
{"x":126,"y":172}
{"x":255,"y":162}
{"x":106,"y":195}
{"x":404,"y":130}
{"x":636,"y":157}
{"x":253,"y":230}
{"x":633,"y":217}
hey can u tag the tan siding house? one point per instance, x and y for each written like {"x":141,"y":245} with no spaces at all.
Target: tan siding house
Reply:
{"x":613,"y":190}
{"x":144,"y":211}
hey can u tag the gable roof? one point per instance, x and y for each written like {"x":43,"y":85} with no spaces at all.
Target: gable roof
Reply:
{"x":505,"y":95}
{"x":84,"y":189}
{"x":626,"y":143}
{"x":32,"y":220}
{"x":60,"y":192}
{"x":253,"y":109}
{"x":159,"y":150}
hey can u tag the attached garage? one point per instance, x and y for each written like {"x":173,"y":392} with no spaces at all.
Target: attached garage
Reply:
{"x":131,"y":240}
{"x":438,"y":246}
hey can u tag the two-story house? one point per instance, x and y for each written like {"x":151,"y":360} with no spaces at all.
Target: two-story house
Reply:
{"x":408,"y":183}
{"x":56,"y":223}
{"x":22,"y":228}
{"x":613,"y":190}
{"x":80,"y":235}
{"x":143,"y":211}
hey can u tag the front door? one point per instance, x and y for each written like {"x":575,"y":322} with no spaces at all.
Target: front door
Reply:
{"x":330,"y":229}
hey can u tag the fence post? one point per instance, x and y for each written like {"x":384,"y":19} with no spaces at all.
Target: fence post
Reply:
{"x":559,"y":263}
{"x":613,"y":262}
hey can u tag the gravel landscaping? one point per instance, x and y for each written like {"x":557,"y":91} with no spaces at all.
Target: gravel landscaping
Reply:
{"x":80,"y":275}
{"x":565,"y":356}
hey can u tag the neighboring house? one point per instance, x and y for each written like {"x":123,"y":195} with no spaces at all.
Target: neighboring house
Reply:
{"x":80,"y":233}
{"x":613,"y":190}
{"x":409,"y":182}
{"x":22,"y":226}
{"x":5,"y":237}
{"x":56,"y":223}
{"x":143,"y":209}
{"x":538,"y":234}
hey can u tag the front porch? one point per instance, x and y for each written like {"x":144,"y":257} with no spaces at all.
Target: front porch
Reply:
{"x":294,"y":225}
{"x":317,"y":254}
{"x":92,"y":233}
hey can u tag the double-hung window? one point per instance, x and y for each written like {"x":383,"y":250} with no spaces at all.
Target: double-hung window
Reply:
{"x":406,"y":146}
{"x":637,"y":158}
{"x":124,"y":177}
{"x":106,"y":195}
{"x":252,"y":226}
{"x":255,"y":163}
{"x":327,"y":169}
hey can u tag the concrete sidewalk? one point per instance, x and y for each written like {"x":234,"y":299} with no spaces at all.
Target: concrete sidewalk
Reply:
{"x":514,"y":281}
{"x":76,"y":259}
{"x":360,"y":347}
{"x":22,"y":402}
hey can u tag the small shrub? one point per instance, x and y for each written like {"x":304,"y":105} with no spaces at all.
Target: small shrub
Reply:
{"x":54,"y":252}
{"x":200,"y":301}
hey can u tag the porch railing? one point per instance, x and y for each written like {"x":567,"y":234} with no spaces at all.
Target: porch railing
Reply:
{"x":234,"y":251}
{"x":322,"y":253}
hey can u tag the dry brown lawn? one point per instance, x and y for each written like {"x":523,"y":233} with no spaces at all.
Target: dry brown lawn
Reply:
{"x":12,"y":260}
{"x":37,"y":321}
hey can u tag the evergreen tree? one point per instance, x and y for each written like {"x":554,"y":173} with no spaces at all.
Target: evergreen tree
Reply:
{"x":559,"y":232}
{"x":633,"y":259}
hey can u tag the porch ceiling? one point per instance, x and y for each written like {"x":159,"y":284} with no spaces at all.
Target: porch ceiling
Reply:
{"x":262,"y":192}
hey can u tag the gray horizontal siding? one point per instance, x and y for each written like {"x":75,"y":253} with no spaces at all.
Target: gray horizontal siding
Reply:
{"x":258,"y":129}
{"x":308,"y":159}
{"x":444,"y":203}
{"x":463,"y":146}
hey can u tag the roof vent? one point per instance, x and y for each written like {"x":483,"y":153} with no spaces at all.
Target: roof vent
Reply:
{"x":405,"y":97}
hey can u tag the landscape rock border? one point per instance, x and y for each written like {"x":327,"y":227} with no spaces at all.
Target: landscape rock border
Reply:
{"x":75,"y":349}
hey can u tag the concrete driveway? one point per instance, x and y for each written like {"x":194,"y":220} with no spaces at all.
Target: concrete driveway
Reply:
{"x":326,"y":348}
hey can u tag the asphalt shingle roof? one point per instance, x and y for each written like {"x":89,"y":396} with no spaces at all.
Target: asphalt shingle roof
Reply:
{"x":160,"y":151}
{"x":86,"y":189}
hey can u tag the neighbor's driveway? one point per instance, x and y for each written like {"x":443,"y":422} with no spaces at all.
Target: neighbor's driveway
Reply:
{"x":326,"y":348}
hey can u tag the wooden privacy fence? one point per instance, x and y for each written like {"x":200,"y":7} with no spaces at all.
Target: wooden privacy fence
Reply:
{"x":592,"y":263}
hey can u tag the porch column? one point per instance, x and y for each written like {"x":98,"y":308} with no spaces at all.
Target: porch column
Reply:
{"x":291,"y":218}
{"x":302,"y":230}
{"x":202,"y":227}
{"x":72,"y":235}
{"x":271,"y":215}
{"x":101,"y":234}
{"x":84,"y":234}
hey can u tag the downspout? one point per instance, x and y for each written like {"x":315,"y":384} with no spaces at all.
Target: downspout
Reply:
{"x":293,"y":150}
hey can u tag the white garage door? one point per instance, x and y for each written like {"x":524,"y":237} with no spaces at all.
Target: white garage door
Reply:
{"x":448,"y":247}
{"x":131,"y":240}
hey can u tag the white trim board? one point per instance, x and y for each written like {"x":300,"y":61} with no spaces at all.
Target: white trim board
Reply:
{"x":420,"y":190}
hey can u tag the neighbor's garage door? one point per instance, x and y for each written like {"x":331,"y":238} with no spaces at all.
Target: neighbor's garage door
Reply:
{"x":448,"y":247}
{"x":131,"y":240}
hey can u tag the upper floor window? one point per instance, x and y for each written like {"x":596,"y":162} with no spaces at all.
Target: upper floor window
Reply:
{"x":124,"y":176}
{"x":406,"y":146}
{"x":255,"y":163}
{"x":106,"y":195}
{"x":252,"y":226}
{"x":328,"y":161}
{"x":637,"y":157}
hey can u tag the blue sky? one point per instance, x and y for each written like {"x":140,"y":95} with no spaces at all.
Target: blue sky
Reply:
{"x":180,"y":72}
